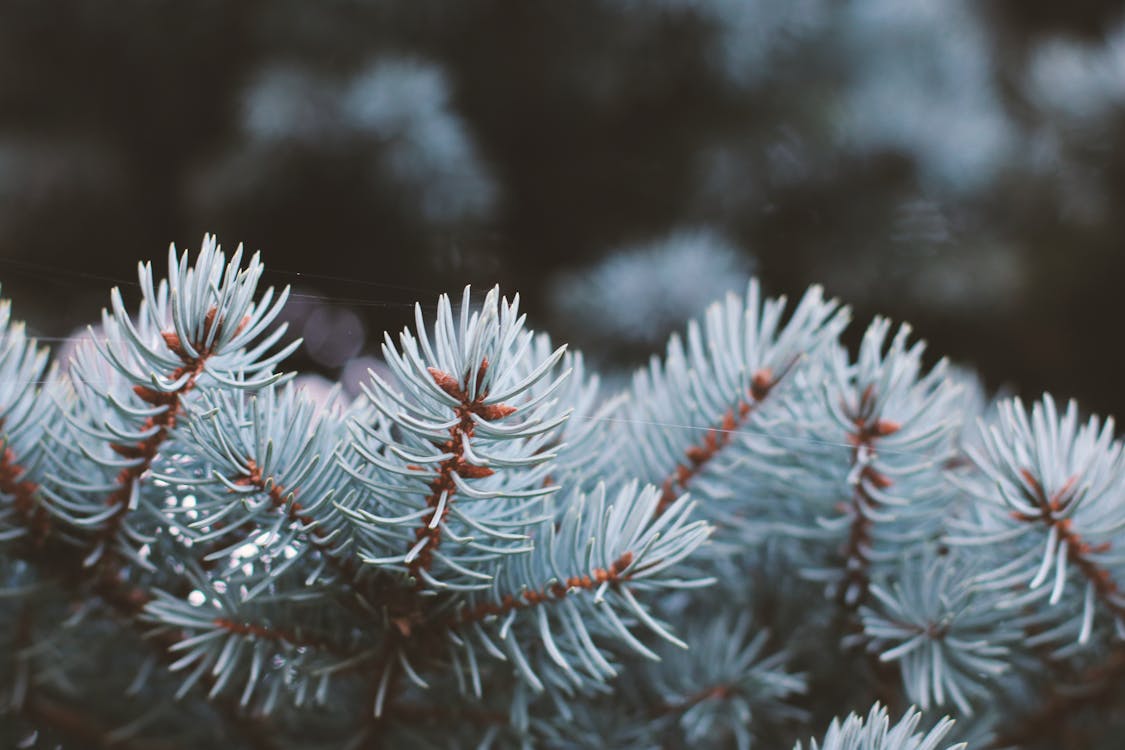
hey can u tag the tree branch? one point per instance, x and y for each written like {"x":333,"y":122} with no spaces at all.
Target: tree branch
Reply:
{"x":553,"y":593}
{"x":717,"y":438}
{"x":428,"y":535}
{"x":868,"y":430}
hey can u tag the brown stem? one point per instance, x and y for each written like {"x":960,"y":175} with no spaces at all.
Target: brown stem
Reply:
{"x":553,"y":593}
{"x":1078,"y":550}
{"x":375,"y":726}
{"x":868,"y":430}
{"x":854,"y":587}
{"x":24,"y":495}
{"x":1098,"y":681}
{"x":428,"y":535}
{"x":317,"y":537}
{"x":363,"y":591}
{"x":716,"y":438}
{"x":146,"y":449}
{"x":271,"y":633}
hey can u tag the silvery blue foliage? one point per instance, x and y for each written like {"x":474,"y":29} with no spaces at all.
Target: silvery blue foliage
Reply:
{"x":875,"y":434}
{"x":597,"y":534}
{"x":949,"y":637}
{"x":24,"y":418}
{"x":719,"y":690}
{"x":203,"y":325}
{"x":712,"y":380}
{"x":898,"y":421}
{"x":1048,"y":499}
{"x":267,"y":455}
{"x":459,"y":417}
{"x":761,"y":527}
{"x":877,"y":733}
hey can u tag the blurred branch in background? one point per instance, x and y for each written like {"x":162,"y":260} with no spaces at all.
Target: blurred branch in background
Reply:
{"x":948,"y":162}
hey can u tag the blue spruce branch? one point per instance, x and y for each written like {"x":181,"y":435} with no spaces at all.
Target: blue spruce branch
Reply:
{"x":485,"y":549}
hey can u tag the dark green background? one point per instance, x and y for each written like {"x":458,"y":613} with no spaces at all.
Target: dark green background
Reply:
{"x":120,"y":131}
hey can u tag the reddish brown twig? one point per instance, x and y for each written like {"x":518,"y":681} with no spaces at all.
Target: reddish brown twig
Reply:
{"x":1098,"y":681}
{"x":277,"y":634}
{"x":285,"y":499}
{"x":868,"y":430}
{"x":855,"y":584}
{"x":24,"y":495}
{"x":428,"y":535}
{"x":715,"y":439}
{"x":160,"y":424}
{"x":1078,"y":550}
{"x":107,"y":581}
{"x":553,"y":593}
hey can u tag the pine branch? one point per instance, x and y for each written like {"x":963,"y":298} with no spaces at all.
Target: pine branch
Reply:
{"x":456,"y":532}
{"x":274,"y":633}
{"x":443,"y":487}
{"x":951,"y":638}
{"x":554,"y":592}
{"x":449,"y":436}
{"x":285,"y":499}
{"x":27,"y":391}
{"x":875,"y":732}
{"x":1100,"y":680}
{"x":1052,"y":512}
{"x":23,"y":492}
{"x":156,"y":428}
{"x":717,"y":438}
{"x":715,"y":380}
{"x":726,"y":686}
{"x":1052,"y":497}
{"x":869,"y":428}
{"x":177,"y":339}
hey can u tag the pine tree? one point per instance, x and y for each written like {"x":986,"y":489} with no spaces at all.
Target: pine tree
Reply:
{"x":485,"y":549}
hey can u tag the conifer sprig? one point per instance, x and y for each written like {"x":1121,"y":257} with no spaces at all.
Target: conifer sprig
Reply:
{"x":485,"y":549}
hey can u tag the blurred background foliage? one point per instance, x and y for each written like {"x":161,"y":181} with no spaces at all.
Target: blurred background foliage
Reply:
{"x":955,"y":163}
